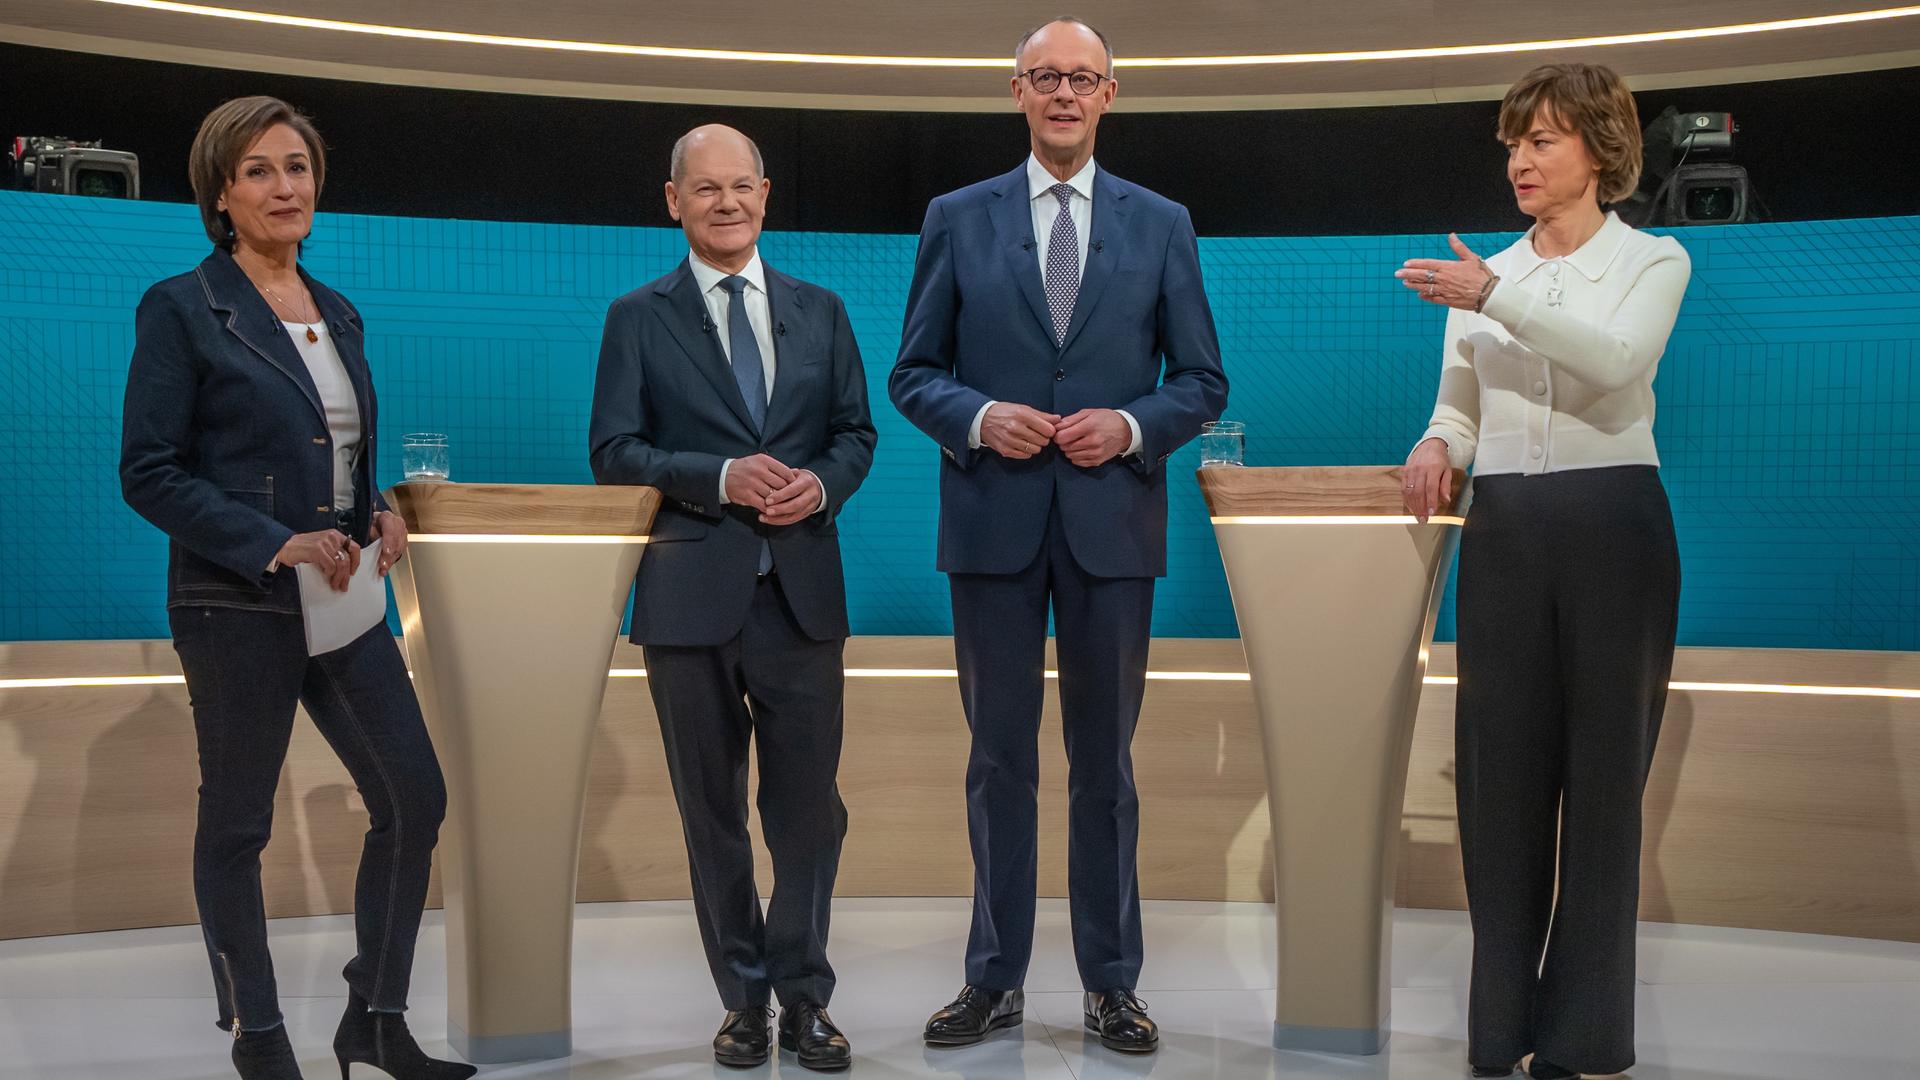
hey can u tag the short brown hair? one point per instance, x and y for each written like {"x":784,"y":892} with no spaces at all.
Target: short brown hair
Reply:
{"x":1591,"y":101}
{"x":223,"y":139}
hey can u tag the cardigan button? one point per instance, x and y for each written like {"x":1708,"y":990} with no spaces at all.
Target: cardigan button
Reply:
{"x":1537,"y":452}
{"x":1539,"y":388}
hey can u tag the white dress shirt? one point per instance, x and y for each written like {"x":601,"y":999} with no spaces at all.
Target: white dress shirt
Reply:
{"x":1557,"y":373}
{"x":337,"y":398}
{"x":759,"y":317}
{"x":1046,"y":210}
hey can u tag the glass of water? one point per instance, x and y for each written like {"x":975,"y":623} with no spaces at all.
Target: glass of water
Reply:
{"x":423,"y":457}
{"x":1223,"y":442}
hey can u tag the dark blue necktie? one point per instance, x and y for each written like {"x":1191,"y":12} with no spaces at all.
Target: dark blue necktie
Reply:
{"x":744,"y":350}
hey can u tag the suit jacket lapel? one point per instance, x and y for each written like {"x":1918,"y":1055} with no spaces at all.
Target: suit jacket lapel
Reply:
{"x":1105,"y":244}
{"x":1013,"y":232}
{"x":254,"y":323}
{"x":684,"y":318}
{"x":789,"y":360}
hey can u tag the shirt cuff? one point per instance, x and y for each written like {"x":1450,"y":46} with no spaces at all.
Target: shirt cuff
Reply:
{"x":973,"y":432}
{"x":724,"y":466}
{"x":1134,"y":426}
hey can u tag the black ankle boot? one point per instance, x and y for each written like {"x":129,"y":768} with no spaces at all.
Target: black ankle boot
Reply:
{"x":382,"y":1040}
{"x":265,"y":1055}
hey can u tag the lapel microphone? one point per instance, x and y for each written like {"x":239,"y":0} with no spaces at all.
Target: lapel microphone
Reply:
{"x":780,"y":328}
{"x":1026,"y":245}
{"x":1098,"y":244}
{"x":706,"y":323}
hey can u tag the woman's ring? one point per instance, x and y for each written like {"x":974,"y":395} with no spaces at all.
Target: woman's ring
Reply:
{"x":1431,"y":274}
{"x":339,"y":556}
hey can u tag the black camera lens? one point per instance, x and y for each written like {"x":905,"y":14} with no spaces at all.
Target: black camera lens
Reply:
{"x":100,"y":183}
{"x":1710,"y":203}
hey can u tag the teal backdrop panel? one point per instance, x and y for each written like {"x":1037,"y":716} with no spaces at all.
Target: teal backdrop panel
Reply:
{"x":1789,"y":421}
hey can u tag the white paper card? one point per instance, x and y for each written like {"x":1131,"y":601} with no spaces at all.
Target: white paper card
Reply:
{"x":335,"y":619}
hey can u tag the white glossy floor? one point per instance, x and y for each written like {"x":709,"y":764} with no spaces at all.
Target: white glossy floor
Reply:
{"x":1716,"y":1004}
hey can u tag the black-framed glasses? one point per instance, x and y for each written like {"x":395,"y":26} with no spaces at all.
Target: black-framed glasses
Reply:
{"x":1047,"y":80}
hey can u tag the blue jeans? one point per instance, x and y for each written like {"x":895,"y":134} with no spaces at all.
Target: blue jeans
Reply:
{"x":246,"y":669}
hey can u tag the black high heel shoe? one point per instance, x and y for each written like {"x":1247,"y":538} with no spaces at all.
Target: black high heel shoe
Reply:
{"x":265,"y":1055}
{"x":382,"y":1040}
{"x":1492,"y":1070}
{"x":1542,"y":1069}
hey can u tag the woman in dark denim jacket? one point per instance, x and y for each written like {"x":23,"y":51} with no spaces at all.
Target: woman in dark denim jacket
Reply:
{"x":249,"y":440}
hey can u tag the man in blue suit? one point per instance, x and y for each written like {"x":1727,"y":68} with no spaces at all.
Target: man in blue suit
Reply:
{"x":1058,"y":346}
{"x":738,"y":392}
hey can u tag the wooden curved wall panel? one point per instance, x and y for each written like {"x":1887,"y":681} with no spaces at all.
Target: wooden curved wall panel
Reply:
{"x":1788,"y":812}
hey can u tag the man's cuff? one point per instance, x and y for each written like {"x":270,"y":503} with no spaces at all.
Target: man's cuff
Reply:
{"x":823,"y":492}
{"x":724,"y":466}
{"x":973,"y":432}
{"x":1133,"y":425}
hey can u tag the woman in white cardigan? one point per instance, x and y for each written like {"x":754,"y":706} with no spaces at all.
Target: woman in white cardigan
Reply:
{"x":1569,"y":573}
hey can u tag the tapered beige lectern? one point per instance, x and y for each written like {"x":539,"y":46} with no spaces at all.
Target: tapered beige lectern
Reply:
{"x":510,"y":598}
{"x":1336,"y":589}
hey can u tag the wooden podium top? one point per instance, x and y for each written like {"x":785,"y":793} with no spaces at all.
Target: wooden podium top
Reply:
{"x":525,"y":509}
{"x":1310,"y":491}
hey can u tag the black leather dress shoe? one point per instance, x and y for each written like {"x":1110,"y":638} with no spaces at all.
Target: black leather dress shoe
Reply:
{"x":1492,"y":1070}
{"x":1120,"y":1019}
{"x":1542,"y":1069}
{"x":743,"y":1037}
{"x":975,"y":1014}
{"x":806,"y":1030}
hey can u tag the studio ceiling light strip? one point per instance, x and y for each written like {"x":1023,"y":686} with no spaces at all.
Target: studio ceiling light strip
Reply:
{"x":1897,"y":692}
{"x":459,"y":37}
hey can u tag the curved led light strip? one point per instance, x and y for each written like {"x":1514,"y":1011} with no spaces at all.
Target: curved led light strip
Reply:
{"x":1898,"y":692}
{"x":1334,"y":519}
{"x":1260,"y":59}
{"x":520,"y":538}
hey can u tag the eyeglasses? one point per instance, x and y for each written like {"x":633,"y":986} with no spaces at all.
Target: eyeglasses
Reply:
{"x":1047,"y":80}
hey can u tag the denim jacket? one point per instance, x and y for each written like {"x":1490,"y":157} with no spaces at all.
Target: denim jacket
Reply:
{"x":224,"y":442}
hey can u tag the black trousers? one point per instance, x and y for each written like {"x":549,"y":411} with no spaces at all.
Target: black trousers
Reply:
{"x":245,"y":672}
{"x":782,"y":691}
{"x":1101,"y":628}
{"x":1569,"y":595}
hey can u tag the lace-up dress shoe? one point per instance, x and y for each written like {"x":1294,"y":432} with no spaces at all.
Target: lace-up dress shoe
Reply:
{"x":975,"y":1014}
{"x":744,"y":1037}
{"x":808,"y":1032}
{"x":1120,"y":1019}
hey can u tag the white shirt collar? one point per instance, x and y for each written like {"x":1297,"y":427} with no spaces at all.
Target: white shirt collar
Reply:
{"x":1040,"y":181}
{"x":1591,"y":258}
{"x":707,"y":277}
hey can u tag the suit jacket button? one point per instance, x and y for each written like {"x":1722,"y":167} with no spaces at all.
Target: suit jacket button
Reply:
{"x":1059,"y":375}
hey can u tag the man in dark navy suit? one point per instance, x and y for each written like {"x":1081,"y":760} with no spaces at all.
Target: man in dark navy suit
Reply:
{"x":1058,"y":346}
{"x":738,"y":392}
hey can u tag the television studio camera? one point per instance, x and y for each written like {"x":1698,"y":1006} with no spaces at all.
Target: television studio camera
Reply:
{"x":73,"y":167}
{"x":1689,"y":166}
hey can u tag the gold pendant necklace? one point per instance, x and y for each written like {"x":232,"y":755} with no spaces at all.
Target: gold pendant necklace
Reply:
{"x":307,"y":323}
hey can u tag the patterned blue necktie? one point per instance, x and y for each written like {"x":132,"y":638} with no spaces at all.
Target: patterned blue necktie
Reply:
{"x":744,"y":350}
{"x":1063,"y":264}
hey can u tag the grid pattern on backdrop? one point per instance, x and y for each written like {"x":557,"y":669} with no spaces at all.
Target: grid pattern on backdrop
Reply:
{"x":1789,"y":422}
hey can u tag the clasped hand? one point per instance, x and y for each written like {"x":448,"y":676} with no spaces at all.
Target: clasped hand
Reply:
{"x":1088,"y":438}
{"x":783,"y":495}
